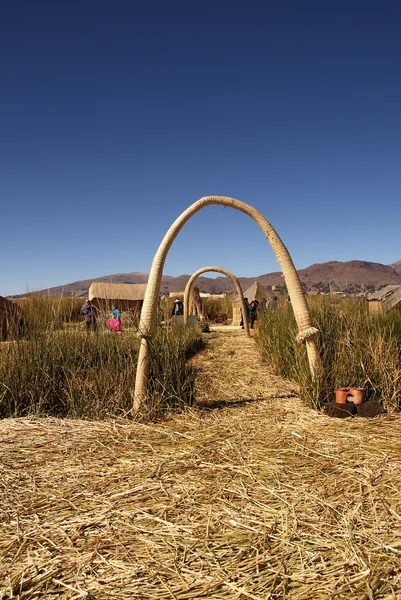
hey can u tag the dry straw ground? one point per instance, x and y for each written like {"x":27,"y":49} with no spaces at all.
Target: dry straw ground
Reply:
{"x":242,"y":498}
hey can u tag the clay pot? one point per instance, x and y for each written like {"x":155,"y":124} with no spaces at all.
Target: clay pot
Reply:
{"x":356,"y":395}
{"x":341,"y":395}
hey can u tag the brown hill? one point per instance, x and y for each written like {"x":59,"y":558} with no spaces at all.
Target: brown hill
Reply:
{"x":355,"y":274}
{"x":396,"y":266}
{"x":349,"y":276}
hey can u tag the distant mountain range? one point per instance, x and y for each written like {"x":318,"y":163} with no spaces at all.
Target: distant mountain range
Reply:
{"x":352,"y":276}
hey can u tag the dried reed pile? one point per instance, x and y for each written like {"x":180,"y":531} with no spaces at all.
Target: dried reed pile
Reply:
{"x":239,"y":499}
{"x":266,"y":500}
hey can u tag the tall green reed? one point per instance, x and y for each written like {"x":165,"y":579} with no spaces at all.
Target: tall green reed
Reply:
{"x":356,"y":350}
{"x":63,"y":371}
{"x":68,"y":374}
{"x":218,"y":309}
{"x":171,"y":377}
{"x":49,"y":313}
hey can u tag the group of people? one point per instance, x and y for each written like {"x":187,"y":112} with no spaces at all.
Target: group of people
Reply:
{"x":91,"y":314}
{"x":254,"y":308}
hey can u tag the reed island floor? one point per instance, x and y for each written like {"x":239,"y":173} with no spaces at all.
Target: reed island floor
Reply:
{"x":250,"y":495}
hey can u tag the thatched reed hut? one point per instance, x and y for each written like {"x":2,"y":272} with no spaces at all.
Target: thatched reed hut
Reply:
{"x":126,"y":296}
{"x":179,"y":295}
{"x":385,"y":299}
{"x":256,"y":291}
{"x":11,"y":317}
{"x":212,"y":296}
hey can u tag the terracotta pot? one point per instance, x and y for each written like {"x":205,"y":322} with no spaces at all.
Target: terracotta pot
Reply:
{"x":341,"y":395}
{"x":356,"y":395}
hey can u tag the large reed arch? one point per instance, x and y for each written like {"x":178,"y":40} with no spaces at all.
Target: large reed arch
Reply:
{"x":235,"y":281}
{"x":306,"y":332}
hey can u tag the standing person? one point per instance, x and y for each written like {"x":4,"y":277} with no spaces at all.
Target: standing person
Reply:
{"x":114,"y":323}
{"x":178,"y":308}
{"x":247,"y":312}
{"x":88,"y":310}
{"x":253,"y":312}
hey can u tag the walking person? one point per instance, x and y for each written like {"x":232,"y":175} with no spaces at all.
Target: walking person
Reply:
{"x":89,"y":312}
{"x":253,"y":312}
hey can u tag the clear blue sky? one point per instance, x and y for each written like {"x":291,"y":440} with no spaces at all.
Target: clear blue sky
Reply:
{"x":115,"y":116}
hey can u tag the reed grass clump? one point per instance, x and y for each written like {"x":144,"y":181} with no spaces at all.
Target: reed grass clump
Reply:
{"x":171,"y":378}
{"x":60,"y":370}
{"x":218,"y":309}
{"x":356,"y":350}
{"x":48,"y":313}
{"x":68,"y":374}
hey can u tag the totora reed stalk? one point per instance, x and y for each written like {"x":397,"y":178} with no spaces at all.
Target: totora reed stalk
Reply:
{"x":306,"y":333}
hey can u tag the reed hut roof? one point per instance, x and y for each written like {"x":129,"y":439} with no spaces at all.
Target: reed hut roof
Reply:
{"x":117,"y":291}
{"x":9,"y":309}
{"x":177,"y":294}
{"x":389,"y":296}
{"x":256,"y":291}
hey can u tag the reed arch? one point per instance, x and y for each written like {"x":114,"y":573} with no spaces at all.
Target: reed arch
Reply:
{"x":306,"y":333}
{"x":235,"y":281}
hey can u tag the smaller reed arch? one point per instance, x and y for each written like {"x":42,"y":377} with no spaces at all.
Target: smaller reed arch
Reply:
{"x":235,"y":281}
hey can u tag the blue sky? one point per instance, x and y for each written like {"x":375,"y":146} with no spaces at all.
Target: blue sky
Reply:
{"x":114,"y":117}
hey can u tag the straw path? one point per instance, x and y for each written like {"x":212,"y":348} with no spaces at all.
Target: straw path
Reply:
{"x":254,"y":500}
{"x":230,"y":369}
